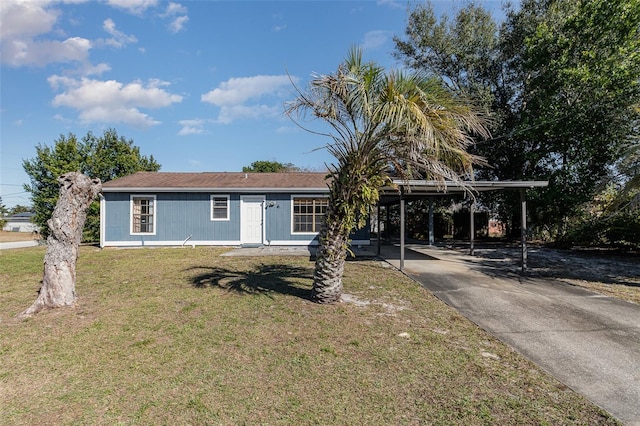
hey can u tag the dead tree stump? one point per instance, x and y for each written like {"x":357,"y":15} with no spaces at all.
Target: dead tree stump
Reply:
{"x":77,"y":191}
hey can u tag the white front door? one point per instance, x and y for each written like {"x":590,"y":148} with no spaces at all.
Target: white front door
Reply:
{"x":251,"y":219}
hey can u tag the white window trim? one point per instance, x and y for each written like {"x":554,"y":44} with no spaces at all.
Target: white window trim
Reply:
{"x":155,"y":213}
{"x":226,"y":219}
{"x":293,"y":197}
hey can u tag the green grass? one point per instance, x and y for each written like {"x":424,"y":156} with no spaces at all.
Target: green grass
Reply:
{"x":184,"y":336}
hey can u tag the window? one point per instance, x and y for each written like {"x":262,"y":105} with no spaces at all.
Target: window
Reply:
{"x":308,"y":214}
{"x":143,"y":214}
{"x":219,"y":207}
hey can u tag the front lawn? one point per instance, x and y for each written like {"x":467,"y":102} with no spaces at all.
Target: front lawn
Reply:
{"x":184,"y":336}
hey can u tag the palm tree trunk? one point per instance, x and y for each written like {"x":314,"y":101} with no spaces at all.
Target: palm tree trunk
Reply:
{"x":330,"y":259}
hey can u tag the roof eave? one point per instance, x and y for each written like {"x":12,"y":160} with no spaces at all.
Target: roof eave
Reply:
{"x":213,"y":189}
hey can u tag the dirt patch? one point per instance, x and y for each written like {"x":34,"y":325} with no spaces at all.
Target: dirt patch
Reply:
{"x":606,"y":272}
{"x":12,"y":237}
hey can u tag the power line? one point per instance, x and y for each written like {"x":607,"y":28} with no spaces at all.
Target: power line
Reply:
{"x":13,"y":194}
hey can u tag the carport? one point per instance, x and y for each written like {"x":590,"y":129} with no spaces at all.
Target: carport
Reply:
{"x":402,"y":191}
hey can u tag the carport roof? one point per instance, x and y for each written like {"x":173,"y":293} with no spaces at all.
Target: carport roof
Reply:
{"x":403,"y":190}
{"x":422,"y":188}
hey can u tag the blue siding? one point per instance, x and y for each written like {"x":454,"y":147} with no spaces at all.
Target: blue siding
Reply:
{"x":278,"y":219}
{"x":279,"y":226}
{"x":183,"y":214}
{"x":116,"y":217}
{"x":178,"y":216}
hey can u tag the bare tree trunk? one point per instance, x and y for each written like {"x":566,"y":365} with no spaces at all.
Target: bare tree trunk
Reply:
{"x":77,"y":191}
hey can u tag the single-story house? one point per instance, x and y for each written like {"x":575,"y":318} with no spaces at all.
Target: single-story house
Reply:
{"x":227,"y":208}
{"x":20,"y":222}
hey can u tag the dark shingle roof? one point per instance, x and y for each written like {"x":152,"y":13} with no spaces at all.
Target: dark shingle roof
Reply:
{"x":165,"y":181}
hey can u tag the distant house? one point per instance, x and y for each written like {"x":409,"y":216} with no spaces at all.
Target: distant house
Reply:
{"x":235,"y":209}
{"x":20,"y":222}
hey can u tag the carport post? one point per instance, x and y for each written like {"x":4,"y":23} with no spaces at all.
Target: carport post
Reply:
{"x":523,"y":229}
{"x":387,"y":221}
{"x":401,"y":229}
{"x":472,"y":229}
{"x":431,"y":235}
{"x":378,"y":229}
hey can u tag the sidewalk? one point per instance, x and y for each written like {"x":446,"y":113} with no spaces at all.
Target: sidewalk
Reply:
{"x":589,"y":342}
{"x":18,"y":244}
{"x":309,"y":251}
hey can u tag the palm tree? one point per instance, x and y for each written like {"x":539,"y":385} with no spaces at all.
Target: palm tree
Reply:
{"x":383,"y":124}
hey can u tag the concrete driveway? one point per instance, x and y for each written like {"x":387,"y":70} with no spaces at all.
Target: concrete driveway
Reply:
{"x":589,"y":342}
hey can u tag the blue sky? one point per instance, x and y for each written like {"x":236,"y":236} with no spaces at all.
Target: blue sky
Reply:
{"x":200,"y":85}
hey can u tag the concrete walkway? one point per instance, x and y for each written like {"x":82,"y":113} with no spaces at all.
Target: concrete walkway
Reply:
{"x":309,"y":251}
{"x":589,"y":342}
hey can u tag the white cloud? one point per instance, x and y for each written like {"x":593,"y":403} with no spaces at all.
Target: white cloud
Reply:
{"x":22,"y":22}
{"x":130,"y":116}
{"x":119,"y":39}
{"x":89,"y":69}
{"x":375,"y":39}
{"x":192,"y":127}
{"x":178,"y":15}
{"x":235,"y":112}
{"x":233,"y":96}
{"x":25,"y":19}
{"x":178,"y":24}
{"x":238,"y":90}
{"x":174,"y":9}
{"x":391,"y":3}
{"x":135,"y":7}
{"x":279,"y":28}
{"x":110,"y":100}
{"x":28,"y":52}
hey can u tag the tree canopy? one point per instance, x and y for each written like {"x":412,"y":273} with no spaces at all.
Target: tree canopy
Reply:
{"x":265,"y":166}
{"x":19,"y":208}
{"x":561,"y":80}
{"x":105,"y":157}
{"x":3,"y":213}
{"x":3,"y":209}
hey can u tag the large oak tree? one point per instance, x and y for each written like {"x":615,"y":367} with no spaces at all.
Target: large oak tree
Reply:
{"x":104,"y":157}
{"x":561,"y":79}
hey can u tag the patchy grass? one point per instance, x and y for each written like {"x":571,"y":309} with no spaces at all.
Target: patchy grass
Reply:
{"x":184,"y":336}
